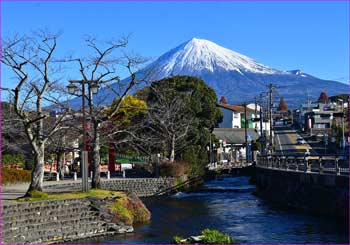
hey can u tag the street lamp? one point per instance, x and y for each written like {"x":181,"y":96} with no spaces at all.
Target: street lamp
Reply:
{"x":158,"y":165}
{"x":94,"y":88}
{"x":72,"y":88}
{"x":342,"y":122}
{"x":221,"y":150}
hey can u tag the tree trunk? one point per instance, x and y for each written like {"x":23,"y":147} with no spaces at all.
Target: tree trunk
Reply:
{"x":38,"y":170}
{"x":61,"y":165}
{"x":172,"y":151}
{"x":96,"y":180}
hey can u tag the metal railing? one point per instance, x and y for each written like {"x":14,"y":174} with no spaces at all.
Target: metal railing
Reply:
{"x":311,"y":164}
{"x":228,"y":165}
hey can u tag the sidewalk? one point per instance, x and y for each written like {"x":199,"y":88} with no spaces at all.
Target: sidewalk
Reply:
{"x":13,"y":191}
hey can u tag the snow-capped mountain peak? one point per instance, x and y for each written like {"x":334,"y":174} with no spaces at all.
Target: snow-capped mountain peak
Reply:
{"x":198,"y":55}
{"x":233,"y":75}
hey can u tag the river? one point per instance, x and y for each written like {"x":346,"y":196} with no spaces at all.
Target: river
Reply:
{"x":236,"y":212}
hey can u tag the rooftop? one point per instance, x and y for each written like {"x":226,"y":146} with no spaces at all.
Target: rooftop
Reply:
{"x":239,"y":108}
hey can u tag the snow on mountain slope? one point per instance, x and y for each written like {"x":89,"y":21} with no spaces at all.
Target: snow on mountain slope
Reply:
{"x":199,"y":55}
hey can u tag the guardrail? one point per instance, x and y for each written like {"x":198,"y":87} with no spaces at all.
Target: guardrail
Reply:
{"x":227,"y":165}
{"x":315,"y":164}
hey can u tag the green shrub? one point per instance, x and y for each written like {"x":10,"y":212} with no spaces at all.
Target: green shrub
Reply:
{"x":122,"y":213}
{"x":173,"y":169}
{"x":207,"y":237}
{"x":178,"y":239}
{"x":29,"y":164}
{"x":216,"y":237}
{"x":8,"y":159}
{"x":11,"y":175}
{"x":196,"y":158}
{"x":130,"y":210}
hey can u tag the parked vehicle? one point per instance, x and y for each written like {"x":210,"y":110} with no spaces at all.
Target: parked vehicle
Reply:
{"x":301,"y":141}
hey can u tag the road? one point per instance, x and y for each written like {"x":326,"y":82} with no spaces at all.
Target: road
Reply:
{"x":286,"y":142}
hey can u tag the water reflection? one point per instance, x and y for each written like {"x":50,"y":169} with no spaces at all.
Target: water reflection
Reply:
{"x":244,"y":216}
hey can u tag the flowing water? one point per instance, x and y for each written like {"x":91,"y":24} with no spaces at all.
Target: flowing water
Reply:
{"x":228,"y":205}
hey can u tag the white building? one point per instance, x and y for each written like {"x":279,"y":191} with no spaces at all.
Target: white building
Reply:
{"x":233,"y":117}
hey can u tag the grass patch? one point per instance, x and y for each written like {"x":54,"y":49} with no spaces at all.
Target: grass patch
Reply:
{"x":178,"y":239}
{"x":216,"y":237}
{"x":41,"y":196}
{"x":122,"y":212}
{"x":207,"y":237}
{"x":126,"y":209}
{"x":130,"y":210}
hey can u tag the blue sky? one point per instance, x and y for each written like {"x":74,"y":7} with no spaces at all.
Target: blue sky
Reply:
{"x":312,"y":36}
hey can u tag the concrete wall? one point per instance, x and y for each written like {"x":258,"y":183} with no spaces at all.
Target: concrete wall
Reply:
{"x":325,"y":194}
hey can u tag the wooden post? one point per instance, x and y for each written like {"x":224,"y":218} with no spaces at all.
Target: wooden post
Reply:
{"x":111,"y":158}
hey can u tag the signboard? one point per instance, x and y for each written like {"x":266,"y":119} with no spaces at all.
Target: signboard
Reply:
{"x":249,"y":137}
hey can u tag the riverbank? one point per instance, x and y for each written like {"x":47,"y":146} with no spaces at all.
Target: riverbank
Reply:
{"x":63,"y":217}
{"x":320,"y":194}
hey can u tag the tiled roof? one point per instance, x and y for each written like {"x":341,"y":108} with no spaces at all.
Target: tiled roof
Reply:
{"x":234,"y":135}
{"x":235,"y":107}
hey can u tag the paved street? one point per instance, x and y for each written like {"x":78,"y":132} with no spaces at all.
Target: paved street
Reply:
{"x":286,"y":142}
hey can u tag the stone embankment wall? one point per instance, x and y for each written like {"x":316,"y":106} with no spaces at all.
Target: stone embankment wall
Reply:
{"x":142,"y":187}
{"x":326,"y":194}
{"x":53,"y":221}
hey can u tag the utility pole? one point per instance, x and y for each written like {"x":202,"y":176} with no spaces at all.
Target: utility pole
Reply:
{"x":245,"y":131}
{"x":84,"y":153}
{"x":93,"y":88}
{"x":342,"y":122}
{"x":270,"y":115}
{"x":210,"y":149}
{"x":255,"y":112}
{"x":261,"y":133}
{"x":255,"y":106}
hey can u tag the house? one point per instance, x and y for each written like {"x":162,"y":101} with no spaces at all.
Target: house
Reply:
{"x":233,"y":116}
{"x":317,"y":118}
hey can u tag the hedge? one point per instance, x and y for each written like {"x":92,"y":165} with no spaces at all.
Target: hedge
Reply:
{"x":10,"y":175}
{"x":8,"y":159}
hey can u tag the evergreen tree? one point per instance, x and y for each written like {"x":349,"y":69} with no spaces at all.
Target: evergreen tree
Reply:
{"x":188,"y":106}
{"x":282,"y":106}
{"x":323,"y":98}
{"x":223,"y":100}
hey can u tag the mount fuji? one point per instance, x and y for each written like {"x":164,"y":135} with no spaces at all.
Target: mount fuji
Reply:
{"x":236,"y":76}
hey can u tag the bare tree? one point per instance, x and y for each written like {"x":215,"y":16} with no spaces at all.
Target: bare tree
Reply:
{"x":13,"y":138}
{"x":169,"y":119}
{"x":101,"y":69}
{"x":31,"y":60}
{"x":63,"y":141}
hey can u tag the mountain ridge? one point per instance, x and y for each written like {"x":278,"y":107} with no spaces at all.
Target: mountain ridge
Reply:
{"x":233,"y":75}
